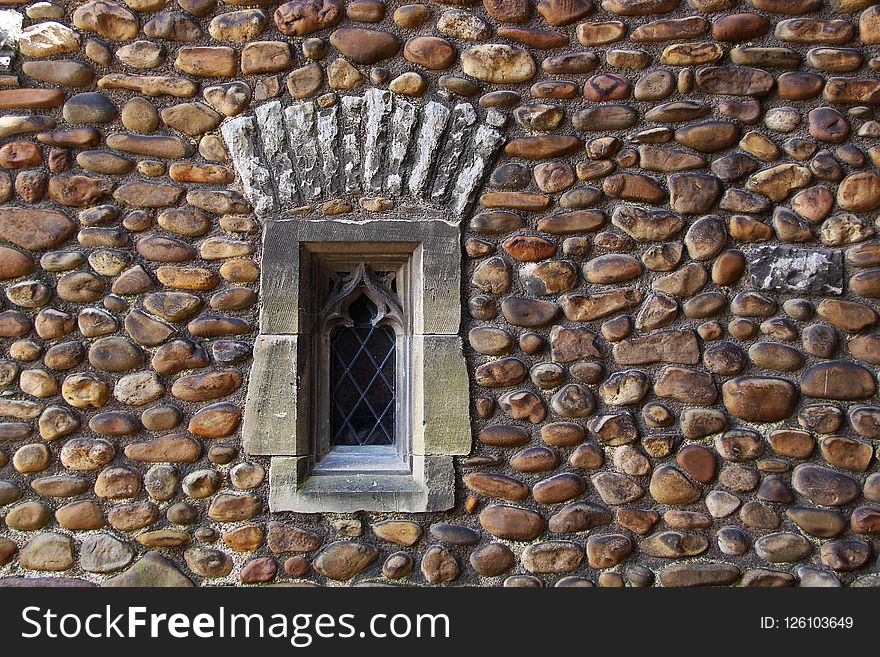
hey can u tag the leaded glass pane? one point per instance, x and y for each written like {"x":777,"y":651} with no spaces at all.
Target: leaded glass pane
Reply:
{"x":362,"y":379}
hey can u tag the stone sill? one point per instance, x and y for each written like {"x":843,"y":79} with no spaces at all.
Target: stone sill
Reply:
{"x":292,"y":490}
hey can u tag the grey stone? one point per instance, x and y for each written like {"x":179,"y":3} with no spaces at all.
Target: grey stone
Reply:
{"x":351,"y":145}
{"x":403,"y":122}
{"x":485,"y":145}
{"x":377,"y":107}
{"x":240,"y":135}
{"x":434,"y":118}
{"x":454,"y":144}
{"x":274,"y":140}
{"x":101,"y":553}
{"x":796,"y":269}
{"x":327,"y":132}
{"x":300,"y":122}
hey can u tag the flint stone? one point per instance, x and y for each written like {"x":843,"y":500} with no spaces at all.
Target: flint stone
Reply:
{"x":796,"y":269}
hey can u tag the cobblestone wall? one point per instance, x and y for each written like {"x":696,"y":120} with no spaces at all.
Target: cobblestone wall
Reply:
{"x":671,"y":290}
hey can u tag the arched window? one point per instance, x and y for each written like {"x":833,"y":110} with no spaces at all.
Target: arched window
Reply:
{"x":362,"y":325}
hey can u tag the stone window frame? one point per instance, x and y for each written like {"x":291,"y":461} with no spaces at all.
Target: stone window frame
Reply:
{"x":277,"y":407}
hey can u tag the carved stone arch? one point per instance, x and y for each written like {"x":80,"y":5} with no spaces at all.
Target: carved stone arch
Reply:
{"x":362,"y":282}
{"x":429,"y":155}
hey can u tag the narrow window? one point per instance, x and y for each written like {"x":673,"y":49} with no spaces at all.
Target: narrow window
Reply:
{"x":362,"y":327}
{"x":362,"y":378}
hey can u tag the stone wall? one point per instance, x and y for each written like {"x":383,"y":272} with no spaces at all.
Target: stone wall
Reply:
{"x":671,"y":283}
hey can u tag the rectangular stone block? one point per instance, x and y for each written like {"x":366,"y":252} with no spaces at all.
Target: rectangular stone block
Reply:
{"x":441,"y":396}
{"x":276,"y":409}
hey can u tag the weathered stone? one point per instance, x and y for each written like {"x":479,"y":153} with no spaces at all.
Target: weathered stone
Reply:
{"x":150,"y":570}
{"x":759,"y":399}
{"x":796,"y":269}
{"x":838,"y":380}
{"x":824,"y":486}
{"x":47,"y":552}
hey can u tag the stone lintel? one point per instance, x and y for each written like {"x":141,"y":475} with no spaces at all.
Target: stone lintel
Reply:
{"x":438,"y":302}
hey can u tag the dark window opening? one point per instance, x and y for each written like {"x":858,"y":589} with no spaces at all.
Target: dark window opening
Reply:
{"x":362,"y":378}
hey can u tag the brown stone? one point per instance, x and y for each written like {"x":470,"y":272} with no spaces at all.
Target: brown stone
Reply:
{"x":498,"y":63}
{"x":364,"y":46}
{"x":660,"y":347}
{"x":496,"y":486}
{"x":543,"y":147}
{"x":399,"y":532}
{"x":699,"y":574}
{"x":259,"y":57}
{"x":232,"y":508}
{"x":859,"y":192}
{"x":343,"y":560}
{"x":838,"y":380}
{"x":687,"y":386}
{"x":207,"y":61}
{"x":203,"y":387}
{"x":430,"y":52}
{"x":829,"y":125}
{"x":698,"y":462}
{"x":286,"y":538}
{"x":824,"y":486}
{"x":512,"y":523}
{"x":302,"y":17}
{"x":845,"y":555}
{"x":739,"y":27}
{"x":759,"y":399}
{"x":80,"y":516}
{"x":191,"y":118}
{"x":708,"y":137}
{"x":607,"y":550}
